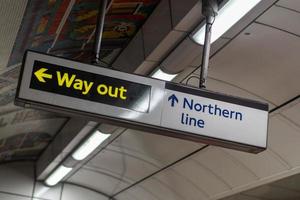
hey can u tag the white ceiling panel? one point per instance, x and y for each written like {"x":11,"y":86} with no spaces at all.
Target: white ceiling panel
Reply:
{"x":263,"y":164}
{"x":10,"y":20}
{"x":161,"y":190}
{"x":183,"y":186}
{"x":188,"y":53}
{"x":282,"y":18}
{"x":123,"y":165}
{"x":126,"y":196}
{"x":105,"y":183}
{"x":139,"y":192}
{"x":214,"y":48}
{"x":284,"y":189}
{"x":293,"y":113}
{"x":292,"y":183}
{"x":181,"y":57}
{"x":241,"y":197}
{"x":131,"y":157}
{"x":249,"y":17}
{"x":12,"y":197}
{"x":163,"y":152}
{"x":152,"y":189}
{"x":269,"y":192}
{"x":201,"y":177}
{"x":216,"y":172}
{"x":78,"y":193}
{"x":292,"y":4}
{"x":259,"y":63}
{"x":225,"y":167}
{"x":161,"y":50}
{"x":284,"y":139}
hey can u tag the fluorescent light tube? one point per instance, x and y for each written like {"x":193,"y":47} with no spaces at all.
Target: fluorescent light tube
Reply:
{"x":229,"y":14}
{"x":89,"y":145}
{"x":57,"y":175}
{"x":159,"y":74}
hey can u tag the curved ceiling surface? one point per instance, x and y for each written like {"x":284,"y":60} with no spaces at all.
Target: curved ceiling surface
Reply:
{"x":257,"y":59}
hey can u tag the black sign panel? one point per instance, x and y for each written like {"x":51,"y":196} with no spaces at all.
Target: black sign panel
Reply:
{"x":89,"y":86}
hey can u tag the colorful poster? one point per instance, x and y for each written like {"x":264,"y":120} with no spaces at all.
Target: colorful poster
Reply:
{"x":67,"y":28}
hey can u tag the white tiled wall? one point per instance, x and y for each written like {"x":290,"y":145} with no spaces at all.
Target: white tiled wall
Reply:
{"x":17,"y":178}
{"x":17,"y":182}
{"x":13,"y":197}
{"x":71,"y":192}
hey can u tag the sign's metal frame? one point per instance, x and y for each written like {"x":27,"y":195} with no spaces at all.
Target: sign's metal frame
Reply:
{"x":148,"y":127}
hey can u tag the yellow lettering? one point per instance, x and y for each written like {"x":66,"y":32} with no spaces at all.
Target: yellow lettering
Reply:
{"x":110,"y":93}
{"x":122,"y":91}
{"x":65,"y":79}
{"x":102,"y":89}
{"x":78,"y":84}
{"x":87,"y":87}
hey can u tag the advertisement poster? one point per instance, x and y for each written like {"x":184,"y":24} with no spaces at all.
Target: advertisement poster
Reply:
{"x":67,"y":28}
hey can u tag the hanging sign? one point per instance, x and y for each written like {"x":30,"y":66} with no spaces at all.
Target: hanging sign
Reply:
{"x":143,"y":103}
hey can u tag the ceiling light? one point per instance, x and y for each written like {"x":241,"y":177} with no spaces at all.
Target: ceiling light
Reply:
{"x":89,"y":145}
{"x":159,"y":74}
{"x":57,"y":175}
{"x":227,"y":16}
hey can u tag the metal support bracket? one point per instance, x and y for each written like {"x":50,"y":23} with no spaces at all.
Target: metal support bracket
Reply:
{"x":99,"y":31}
{"x":209,"y":10}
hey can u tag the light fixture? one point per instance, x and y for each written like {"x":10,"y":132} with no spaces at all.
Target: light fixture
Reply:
{"x":89,"y":145}
{"x":57,"y":175}
{"x":227,"y":16}
{"x":159,"y":74}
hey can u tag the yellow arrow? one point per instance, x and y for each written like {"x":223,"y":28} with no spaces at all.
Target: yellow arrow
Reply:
{"x":40,"y":75}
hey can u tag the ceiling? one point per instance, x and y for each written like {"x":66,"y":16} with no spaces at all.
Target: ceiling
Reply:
{"x":257,"y":59}
{"x":60,"y":27}
{"x":287,"y":188}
